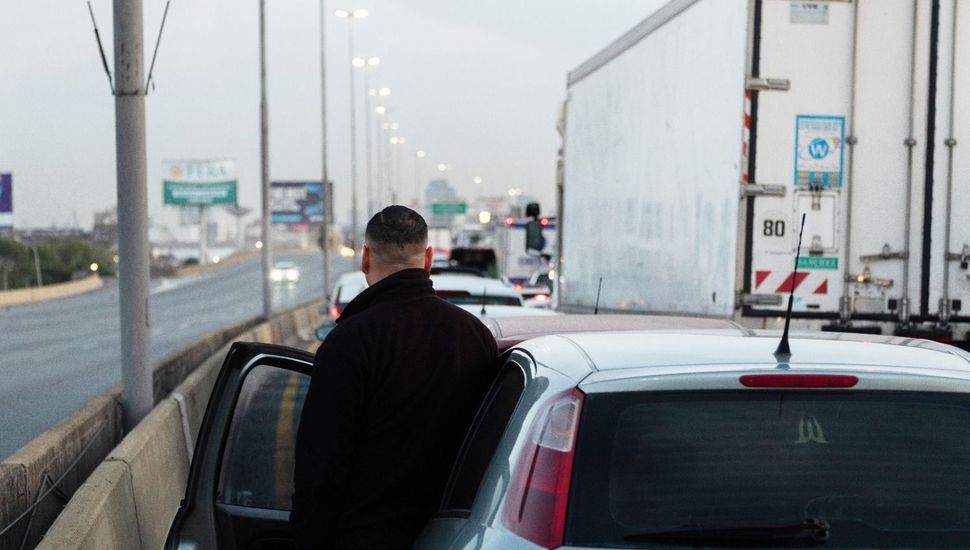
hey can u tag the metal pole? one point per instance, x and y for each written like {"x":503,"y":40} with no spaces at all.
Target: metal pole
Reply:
{"x":264,"y":164}
{"x":397,"y":173}
{"x":203,"y":237}
{"x":367,"y":132}
{"x":40,"y":276}
{"x":325,"y":192}
{"x":417,"y":181}
{"x":353,"y":139}
{"x":133,"y":279}
{"x":381,"y":172}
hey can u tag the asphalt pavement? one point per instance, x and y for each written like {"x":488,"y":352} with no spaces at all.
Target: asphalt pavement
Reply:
{"x":55,"y":356}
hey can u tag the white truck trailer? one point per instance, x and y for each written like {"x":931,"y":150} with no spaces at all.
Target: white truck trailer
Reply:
{"x":693,"y":144}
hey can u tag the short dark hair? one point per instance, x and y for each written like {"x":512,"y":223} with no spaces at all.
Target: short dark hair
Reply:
{"x":397,"y":234}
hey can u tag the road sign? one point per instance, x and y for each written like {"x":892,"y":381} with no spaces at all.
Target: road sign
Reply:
{"x":6,"y":201}
{"x":296,"y":202}
{"x":448,"y":208}
{"x":199,"y":182}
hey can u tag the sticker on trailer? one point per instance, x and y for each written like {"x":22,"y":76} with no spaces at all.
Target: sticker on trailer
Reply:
{"x":819,"y":150}
{"x":809,"y":13}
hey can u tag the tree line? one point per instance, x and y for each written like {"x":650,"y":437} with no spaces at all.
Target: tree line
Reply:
{"x":60,"y":260}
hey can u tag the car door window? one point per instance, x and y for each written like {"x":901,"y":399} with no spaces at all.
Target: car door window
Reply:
{"x":257,"y":465}
{"x":484,"y":436}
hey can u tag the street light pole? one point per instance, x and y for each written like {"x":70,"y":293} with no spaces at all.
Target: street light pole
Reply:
{"x":267,"y":254}
{"x":137,"y":394}
{"x":325,"y":191}
{"x":367,"y":64}
{"x":420,"y":154}
{"x":350,"y":16}
{"x":40,"y":277}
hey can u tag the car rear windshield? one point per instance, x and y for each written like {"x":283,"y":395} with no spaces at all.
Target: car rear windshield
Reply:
{"x":469,"y":299}
{"x":675,"y":469}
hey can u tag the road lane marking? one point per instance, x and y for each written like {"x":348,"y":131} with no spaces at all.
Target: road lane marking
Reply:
{"x":285,"y":438}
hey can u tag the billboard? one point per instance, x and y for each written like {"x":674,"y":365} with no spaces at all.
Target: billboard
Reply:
{"x":296,"y":202}
{"x":6,"y":201}
{"x":199,"y":182}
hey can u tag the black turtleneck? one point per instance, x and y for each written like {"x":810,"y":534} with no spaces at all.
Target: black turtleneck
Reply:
{"x":393,"y":390}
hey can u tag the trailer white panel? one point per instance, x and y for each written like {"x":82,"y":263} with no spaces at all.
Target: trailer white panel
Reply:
{"x":652,"y":165}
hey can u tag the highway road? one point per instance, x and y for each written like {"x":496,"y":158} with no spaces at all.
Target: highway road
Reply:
{"x":57,"y":355}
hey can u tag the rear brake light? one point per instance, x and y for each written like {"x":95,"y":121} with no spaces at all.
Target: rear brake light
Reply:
{"x":334,"y":312}
{"x":535,"y":505}
{"x":541,"y":297}
{"x":799,"y":380}
{"x":518,"y":286}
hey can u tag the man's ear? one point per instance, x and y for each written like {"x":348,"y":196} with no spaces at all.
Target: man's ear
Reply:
{"x":365,"y":260}
{"x":428,"y":254}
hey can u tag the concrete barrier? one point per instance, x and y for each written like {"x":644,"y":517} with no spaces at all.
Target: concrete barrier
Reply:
{"x":102,"y":515}
{"x":51,"y":467}
{"x":155,"y":455}
{"x":49,"y":292}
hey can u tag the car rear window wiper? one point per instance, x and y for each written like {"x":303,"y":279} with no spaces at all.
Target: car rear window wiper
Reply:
{"x":810,"y":532}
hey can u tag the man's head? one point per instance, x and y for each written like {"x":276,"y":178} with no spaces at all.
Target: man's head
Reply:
{"x":396,"y":238}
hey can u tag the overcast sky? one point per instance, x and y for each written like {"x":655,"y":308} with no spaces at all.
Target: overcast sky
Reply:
{"x":477,"y":84}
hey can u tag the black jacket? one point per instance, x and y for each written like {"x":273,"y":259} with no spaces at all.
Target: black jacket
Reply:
{"x":394,"y":388}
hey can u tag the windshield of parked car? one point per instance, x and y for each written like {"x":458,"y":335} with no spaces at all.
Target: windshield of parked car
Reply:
{"x":462,"y":299}
{"x":881,"y":468}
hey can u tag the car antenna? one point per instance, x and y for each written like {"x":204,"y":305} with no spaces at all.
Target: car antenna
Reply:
{"x":484,"y":300}
{"x":783,"y":352}
{"x":596,"y":308}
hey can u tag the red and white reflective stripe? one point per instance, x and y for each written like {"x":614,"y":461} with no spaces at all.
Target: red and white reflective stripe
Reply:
{"x":746,"y":141}
{"x":780,"y":282}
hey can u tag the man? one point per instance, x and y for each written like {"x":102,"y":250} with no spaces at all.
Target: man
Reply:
{"x":394,"y":387}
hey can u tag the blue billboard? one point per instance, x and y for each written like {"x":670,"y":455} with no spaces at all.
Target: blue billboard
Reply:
{"x":6,"y":201}
{"x":296,"y":202}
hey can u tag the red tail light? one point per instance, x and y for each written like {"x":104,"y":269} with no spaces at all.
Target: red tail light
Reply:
{"x":518,"y":286}
{"x":541,"y":297}
{"x":535,"y":506}
{"x":799,"y":381}
{"x":334,"y":312}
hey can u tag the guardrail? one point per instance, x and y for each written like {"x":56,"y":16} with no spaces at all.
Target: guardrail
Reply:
{"x":98,"y":495}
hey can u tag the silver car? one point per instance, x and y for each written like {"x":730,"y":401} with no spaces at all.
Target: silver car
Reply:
{"x":597,"y":434}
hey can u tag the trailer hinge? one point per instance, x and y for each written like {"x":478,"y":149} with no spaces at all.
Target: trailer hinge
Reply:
{"x":767,"y":84}
{"x":760,"y":299}
{"x":763,"y":190}
{"x":886,"y":253}
{"x":963,"y":257}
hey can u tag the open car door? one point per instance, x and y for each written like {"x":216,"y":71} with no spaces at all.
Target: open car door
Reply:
{"x":241,"y":478}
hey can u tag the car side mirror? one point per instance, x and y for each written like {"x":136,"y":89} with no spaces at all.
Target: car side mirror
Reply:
{"x":324,"y":330}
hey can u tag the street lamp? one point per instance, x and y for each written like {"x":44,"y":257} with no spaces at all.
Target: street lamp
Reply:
{"x":396,"y":159}
{"x":350,"y":16}
{"x":368,"y":63}
{"x":418,"y":155}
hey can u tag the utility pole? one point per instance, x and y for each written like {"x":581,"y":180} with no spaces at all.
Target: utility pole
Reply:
{"x":353,"y":145}
{"x":133,"y":278}
{"x":325,"y":192}
{"x":264,"y":164}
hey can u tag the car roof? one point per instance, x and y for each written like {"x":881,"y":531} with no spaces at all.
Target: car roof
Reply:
{"x":473,"y":285}
{"x":636,"y":354}
{"x":503,"y":311}
{"x":522,"y":329}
